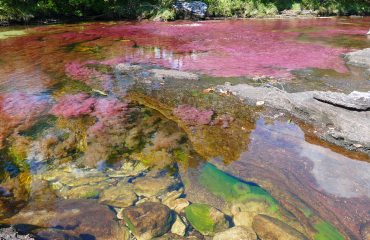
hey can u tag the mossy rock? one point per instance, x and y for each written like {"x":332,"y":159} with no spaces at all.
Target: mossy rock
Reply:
{"x":234,"y":190}
{"x":206,"y":219}
{"x":326,"y":231}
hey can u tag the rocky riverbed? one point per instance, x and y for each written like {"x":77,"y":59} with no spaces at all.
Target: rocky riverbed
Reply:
{"x":151,"y":143}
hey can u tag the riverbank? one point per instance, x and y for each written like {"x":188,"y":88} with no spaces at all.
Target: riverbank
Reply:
{"x":63,"y":11}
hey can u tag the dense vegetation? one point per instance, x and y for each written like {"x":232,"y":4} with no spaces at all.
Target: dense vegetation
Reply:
{"x":24,"y":10}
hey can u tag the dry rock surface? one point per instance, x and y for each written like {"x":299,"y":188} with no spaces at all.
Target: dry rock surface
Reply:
{"x":340,"y":119}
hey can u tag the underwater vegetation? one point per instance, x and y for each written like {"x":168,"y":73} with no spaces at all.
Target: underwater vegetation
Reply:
{"x":233,"y":190}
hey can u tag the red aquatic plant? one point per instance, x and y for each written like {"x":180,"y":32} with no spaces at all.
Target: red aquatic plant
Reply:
{"x":106,"y":108}
{"x":19,"y":111}
{"x":192,"y":115}
{"x":74,"y":105}
{"x":79,"y":71}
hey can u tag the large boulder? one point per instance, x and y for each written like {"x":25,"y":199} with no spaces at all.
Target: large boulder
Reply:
{"x":268,"y":228}
{"x":191,"y":9}
{"x":206,"y":219}
{"x":360,"y":58}
{"x":148,"y":220}
{"x":236,"y":233}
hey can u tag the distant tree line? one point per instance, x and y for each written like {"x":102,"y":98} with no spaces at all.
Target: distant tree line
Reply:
{"x":25,"y":10}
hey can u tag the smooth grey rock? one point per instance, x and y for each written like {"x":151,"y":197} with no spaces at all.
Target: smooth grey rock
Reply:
{"x":355,"y":100}
{"x":161,"y":74}
{"x":337,"y":125}
{"x":359,"y":58}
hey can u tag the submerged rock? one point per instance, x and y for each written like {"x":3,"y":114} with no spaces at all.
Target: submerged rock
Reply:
{"x":206,"y":219}
{"x":193,"y":116}
{"x":355,"y":100}
{"x":236,"y":233}
{"x":170,"y":236}
{"x":120,"y":196}
{"x":153,"y":186}
{"x":75,"y":217}
{"x":54,"y":234}
{"x":268,"y":228}
{"x":148,"y":220}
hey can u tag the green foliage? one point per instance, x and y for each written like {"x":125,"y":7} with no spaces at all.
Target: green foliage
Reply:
{"x":23,"y":10}
{"x":260,"y":8}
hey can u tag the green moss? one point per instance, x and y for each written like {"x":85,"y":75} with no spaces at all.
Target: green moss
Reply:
{"x":181,"y":156}
{"x":91,"y":194}
{"x":232,"y":189}
{"x":199,"y":217}
{"x":326,"y":231}
{"x":12,"y":33}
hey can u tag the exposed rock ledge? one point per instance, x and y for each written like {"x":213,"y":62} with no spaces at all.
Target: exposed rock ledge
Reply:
{"x":340,"y":119}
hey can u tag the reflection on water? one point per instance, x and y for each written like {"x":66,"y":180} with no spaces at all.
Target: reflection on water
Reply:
{"x":279,"y":158}
{"x":331,"y":171}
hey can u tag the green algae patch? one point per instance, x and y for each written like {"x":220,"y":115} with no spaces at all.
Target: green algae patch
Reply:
{"x":326,"y":231}
{"x":199,"y":217}
{"x":232,"y":189}
{"x":12,"y":33}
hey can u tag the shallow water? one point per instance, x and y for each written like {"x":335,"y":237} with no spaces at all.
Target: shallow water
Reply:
{"x":71,"y":123}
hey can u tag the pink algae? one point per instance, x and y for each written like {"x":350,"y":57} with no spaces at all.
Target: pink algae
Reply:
{"x":234,"y":48}
{"x":74,"y":106}
{"x":106,"y":108}
{"x":193,"y":116}
{"x":19,"y":111}
{"x":79,"y":71}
